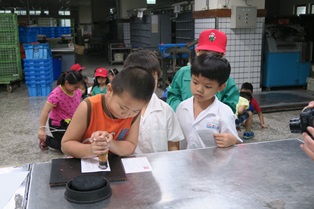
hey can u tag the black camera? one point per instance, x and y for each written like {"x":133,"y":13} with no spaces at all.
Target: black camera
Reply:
{"x":299,"y":125}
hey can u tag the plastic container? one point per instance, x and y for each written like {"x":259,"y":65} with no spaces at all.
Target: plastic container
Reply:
{"x":35,"y":90}
{"x":57,"y":66}
{"x":165,"y":52}
{"x":37,"y":51}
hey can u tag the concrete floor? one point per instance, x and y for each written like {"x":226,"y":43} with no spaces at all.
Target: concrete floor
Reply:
{"x":20,"y":113}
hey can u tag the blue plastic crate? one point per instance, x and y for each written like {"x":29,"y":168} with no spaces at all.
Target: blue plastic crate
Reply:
{"x":37,"y":62}
{"x":28,"y":34}
{"x":43,"y":76}
{"x":35,"y":90}
{"x":164,"y":47}
{"x":27,"y":37}
{"x":48,"y":31}
{"x":37,"y":51}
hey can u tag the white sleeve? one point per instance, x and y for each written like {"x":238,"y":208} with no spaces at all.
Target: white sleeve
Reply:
{"x":228,"y":123}
{"x":174,"y":128}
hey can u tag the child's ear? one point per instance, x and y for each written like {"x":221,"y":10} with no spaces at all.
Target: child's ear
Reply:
{"x":221,"y":87}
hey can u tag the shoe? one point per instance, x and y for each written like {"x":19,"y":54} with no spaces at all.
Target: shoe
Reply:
{"x":248,"y":135}
{"x":42,"y":145}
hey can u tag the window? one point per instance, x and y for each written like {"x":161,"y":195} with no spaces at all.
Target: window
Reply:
{"x":151,"y":1}
{"x":64,"y":13}
{"x":46,"y":12}
{"x":5,"y":11}
{"x":300,"y":9}
{"x":65,"y":22}
{"x":34,"y":12}
{"x":20,"y":12}
{"x":312,"y":9}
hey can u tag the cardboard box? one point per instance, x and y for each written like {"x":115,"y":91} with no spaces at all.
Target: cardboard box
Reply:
{"x":79,"y":49}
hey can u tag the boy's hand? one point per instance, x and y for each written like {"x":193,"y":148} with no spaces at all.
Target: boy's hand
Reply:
{"x":225,"y":139}
{"x":100,"y":142}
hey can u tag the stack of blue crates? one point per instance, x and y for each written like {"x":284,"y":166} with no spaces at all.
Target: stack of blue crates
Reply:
{"x":38,"y":69}
{"x":59,"y":31}
{"x":28,"y":34}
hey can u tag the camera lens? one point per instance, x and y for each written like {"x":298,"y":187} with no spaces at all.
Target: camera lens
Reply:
{"x":295,"y":125}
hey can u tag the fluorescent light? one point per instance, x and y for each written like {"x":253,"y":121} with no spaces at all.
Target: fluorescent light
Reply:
{"x":151,"y":1}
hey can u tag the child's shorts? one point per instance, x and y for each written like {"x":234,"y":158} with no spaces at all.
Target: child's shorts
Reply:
{"x":242,"y":118}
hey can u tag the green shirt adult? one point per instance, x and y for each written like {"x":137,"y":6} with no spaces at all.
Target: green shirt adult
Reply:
{"x":180,"y":90}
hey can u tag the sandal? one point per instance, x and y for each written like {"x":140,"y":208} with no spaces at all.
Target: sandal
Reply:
{"x":42,"y":145}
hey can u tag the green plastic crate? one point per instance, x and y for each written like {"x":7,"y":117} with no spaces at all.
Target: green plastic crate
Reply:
{"x":10,"y":64}
{"x":8,"y":39}
{"x":10,"y":57}
{"x":9,"y":54}
{"x":8,"y":22}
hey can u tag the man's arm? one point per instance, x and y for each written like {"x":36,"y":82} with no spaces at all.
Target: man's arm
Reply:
{"x":179,"y":88}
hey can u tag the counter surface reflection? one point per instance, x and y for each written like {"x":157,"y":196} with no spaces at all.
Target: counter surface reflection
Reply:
{"x":274,"y":174}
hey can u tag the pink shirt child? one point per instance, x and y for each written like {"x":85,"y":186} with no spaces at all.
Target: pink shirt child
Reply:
{"x":64,"y":104}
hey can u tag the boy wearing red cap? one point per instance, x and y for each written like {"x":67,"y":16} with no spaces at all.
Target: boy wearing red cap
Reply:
{"x":77,"y":67}
{"x":210,"y":41}
{"x":101,"y":81}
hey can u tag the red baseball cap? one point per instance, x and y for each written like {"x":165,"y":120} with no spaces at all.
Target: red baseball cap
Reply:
{"x":212,"y":40}
{"x":101,"y":72}
{"x":77,"y":67}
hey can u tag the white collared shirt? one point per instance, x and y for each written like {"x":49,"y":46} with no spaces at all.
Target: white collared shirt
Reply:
{"x":158,"y":125}
{"x":217,"y":118}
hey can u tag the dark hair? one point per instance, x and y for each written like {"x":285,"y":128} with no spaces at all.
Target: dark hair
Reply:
{"x":212,"y":67}
{"x":143,"y":58}
{"x":113,"y":71}
{"x":246,"y":95}
{"x":85,"y":86}
{"x":73,"y":77}
{"x":136,"y":81}
{"x":247,"y":86}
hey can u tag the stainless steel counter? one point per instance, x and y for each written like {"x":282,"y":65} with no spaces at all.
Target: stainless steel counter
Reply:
{"x":62,"y":50}
{"x":68,"y":57}
{"x":274,"y":174}
{"x":19,"y":199}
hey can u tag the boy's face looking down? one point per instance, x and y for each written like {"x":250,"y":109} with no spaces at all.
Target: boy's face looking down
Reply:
{"x":124,"y":105}
{"x":204,"y":89}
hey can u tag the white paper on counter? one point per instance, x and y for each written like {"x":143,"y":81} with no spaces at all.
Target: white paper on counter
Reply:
{"x":9,"y":183}
{"x":90,"y":165}
{"x":136,"y":165}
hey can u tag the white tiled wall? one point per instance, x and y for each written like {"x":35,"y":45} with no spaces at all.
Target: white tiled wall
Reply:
{"x":244,"y":48}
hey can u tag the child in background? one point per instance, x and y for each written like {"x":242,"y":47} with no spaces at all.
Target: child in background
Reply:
{"x":112,"y":73}
{"x":245,"y":116}
{"x":206,"y":121}
{"x":101,"y":81}
{"x":83,"y":88}
{"x":110,"y":122}
{"x":77,"y":67}
{"x":60,"y":106}
{"x":159,"y":130}
{"x":254,"y":106}
{"x":210,"y":41}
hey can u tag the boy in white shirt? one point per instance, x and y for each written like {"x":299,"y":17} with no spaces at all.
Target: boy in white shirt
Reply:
{"x":159,"y":129}
{"x":205,"y":121}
